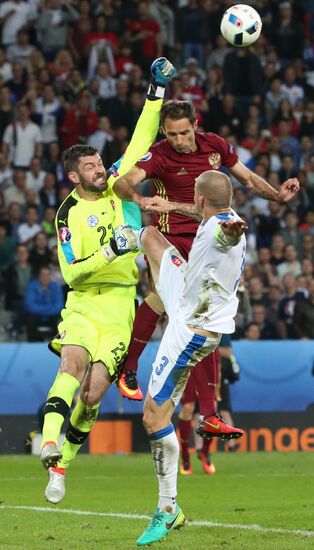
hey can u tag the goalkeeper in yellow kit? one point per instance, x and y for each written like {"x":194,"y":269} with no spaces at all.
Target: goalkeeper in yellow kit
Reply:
{"x":95,"y":254}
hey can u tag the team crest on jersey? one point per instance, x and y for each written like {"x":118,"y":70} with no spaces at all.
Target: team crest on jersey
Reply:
{"x":64,"y":234}
{"x":92,"y":221}
{"x":147,"y":156}
{"x":176,"y":260}
{"x":215,"y":160}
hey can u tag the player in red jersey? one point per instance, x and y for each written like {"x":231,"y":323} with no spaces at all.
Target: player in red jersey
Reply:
{"x":173,"y":164}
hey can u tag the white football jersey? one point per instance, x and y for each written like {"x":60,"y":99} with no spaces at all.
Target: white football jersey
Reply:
{"x":212,"y":277}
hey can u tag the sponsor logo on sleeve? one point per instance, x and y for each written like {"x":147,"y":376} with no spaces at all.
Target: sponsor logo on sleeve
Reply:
{"x":146,"y":157}
{"x":64,"y":234}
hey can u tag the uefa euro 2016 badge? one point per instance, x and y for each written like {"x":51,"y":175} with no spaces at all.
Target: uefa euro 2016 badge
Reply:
{"x":146,"y":157}
{"x":215,"y":160}
{"x":92,"y":221}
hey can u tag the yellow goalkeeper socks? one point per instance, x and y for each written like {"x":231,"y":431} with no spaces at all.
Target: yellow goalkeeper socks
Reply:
{"x":58,"y":404}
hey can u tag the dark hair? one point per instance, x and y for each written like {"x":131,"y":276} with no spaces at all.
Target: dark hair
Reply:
{"x":176,"y":110}
{"x":71,"y":156}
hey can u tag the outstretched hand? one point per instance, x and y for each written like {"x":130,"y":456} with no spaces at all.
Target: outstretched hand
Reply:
{"x":155,"y":204}
{"x":288,"y":189}
{"x":233,"y":228}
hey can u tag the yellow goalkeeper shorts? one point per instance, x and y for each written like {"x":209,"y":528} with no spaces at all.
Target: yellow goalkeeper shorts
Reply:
{"x":100,"y":320}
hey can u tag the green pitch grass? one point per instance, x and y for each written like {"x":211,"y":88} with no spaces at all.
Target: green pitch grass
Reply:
{"x":253,"y":502}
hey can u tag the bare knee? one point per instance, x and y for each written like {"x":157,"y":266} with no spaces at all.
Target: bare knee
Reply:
{"x":187,"y":411}
{"x":73,"y":366}
{"x":149,"y":234}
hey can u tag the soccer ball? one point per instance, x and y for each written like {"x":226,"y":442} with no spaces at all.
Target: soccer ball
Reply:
{"x":241,"y":25}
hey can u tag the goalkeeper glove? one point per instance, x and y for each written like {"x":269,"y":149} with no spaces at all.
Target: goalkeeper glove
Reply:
{"x":123,"y":241}
{"x":162,"y":71}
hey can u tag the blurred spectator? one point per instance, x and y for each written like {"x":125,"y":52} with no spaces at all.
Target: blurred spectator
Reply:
{"x":55,"y":270}
{"x":252,"y":331}
{"x":223,"y":111}
{"x":107,"y":84}
{"x":144,"y":36}
{"x":35,"y":63}
{"x":117,"y":108}
{"x":243,"y":76}
{"x":22,"y":49}
{"x":48,"y":192}
{"x":48,"y":225}
{"x":257,"y":292}
{"x":290,"y":264}
{"x":6,"y":172}
{"x":14,"y":14}
{"x":43,"y":303}
{"x":40,"y":254}
{"x":264,"y":269}
{"x":6,"y":109}
{"x":35,"y":176}
{"x":268,"y":330}
{"x":17,"y":278}
{"x":308,"y":223}
{"x":288,"y":169}
{"x":74,"y":85}
{"x":189,"y":38}
{"x":291,"y":231}
{"x":7,"y":248}
{"x":100,"y":45}
{"x":22,"y":139}
{"x":78,"y":30}
{"x":52,"y":162}
{"x":304,"y":316}
{"x":60,"y":69}
{"x":5,"y":66}
{"x":266,"y":226}
{"x":274,"y":97}
{"x":217,"y":56}
{"x":287,"y":34}
{"x":101,"y":136}
{"x":17,"y":83}
{"x":16,"y":192}
{"x":27,"y":230}
{"x":277,"y":248}
{"x":14,"y":218}
{"x":307,"y":247}
{"x":48,"y":114}
{"x":164,"y":15}
{"x":285,"y":112}
{"x":52,"y":26}
{"x":287,"y":305}
{"x":80,"y":122}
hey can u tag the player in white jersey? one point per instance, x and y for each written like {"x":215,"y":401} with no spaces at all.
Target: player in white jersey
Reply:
{"x":200,"y":299}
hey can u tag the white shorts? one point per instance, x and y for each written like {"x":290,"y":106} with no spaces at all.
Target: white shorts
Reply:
{"x":180,"y":348}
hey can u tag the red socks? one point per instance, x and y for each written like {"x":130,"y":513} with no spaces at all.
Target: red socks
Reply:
{"x":185,"y":429}
{"x":144,"y":326}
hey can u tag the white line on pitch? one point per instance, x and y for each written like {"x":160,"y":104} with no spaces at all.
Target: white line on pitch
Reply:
{"x":252,"y":527}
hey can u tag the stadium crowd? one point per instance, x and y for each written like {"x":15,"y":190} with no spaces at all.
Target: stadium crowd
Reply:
{"x":76,"y":71}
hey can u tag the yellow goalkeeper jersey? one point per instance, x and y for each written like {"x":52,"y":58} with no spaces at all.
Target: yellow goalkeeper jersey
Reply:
{"x":85,"y":227}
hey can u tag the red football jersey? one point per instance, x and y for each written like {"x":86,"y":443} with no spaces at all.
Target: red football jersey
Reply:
{"x":173,"y":175}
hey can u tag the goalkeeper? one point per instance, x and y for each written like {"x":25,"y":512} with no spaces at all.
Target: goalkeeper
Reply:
{"x":94,"y":247}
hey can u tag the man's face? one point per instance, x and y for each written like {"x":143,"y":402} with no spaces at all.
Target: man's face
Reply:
{"x":180,"y":134}
{"x":92,"y":174}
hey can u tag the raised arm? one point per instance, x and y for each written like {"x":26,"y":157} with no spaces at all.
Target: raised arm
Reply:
{"x":260,"y":187}
{"x":160,"y":205}
{"x":125,"y":187}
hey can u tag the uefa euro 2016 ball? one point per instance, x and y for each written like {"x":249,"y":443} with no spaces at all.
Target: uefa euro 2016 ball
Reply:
{"x":241,"y":25}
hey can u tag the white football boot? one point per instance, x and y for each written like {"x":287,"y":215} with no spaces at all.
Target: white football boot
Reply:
{"x":55,"y":490}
